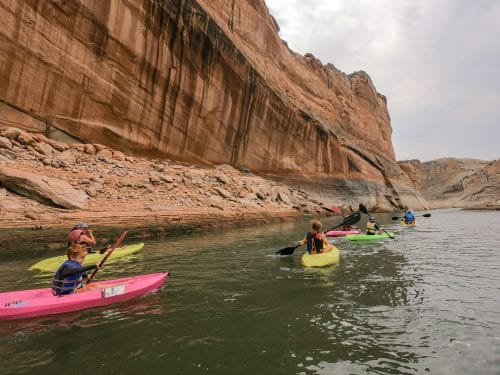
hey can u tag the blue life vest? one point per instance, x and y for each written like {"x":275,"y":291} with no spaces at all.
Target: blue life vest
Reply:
{"x":69,"y":284}
{"x":314,"y":243}
{"x":409,"y":217}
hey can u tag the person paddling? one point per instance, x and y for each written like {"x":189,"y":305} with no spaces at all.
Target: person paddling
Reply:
{"x":70,"y":274}
{"x":409,"y":217}
{"x":81,"y":234}
{"x":372,"y":227}
{"x":316,"y":240}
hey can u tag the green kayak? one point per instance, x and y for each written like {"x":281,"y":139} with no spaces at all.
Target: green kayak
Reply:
{"x":369,"y":237}
{"x":51,"y":264}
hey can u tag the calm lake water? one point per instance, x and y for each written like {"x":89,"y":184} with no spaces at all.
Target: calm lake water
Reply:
{"x":426,"y":302}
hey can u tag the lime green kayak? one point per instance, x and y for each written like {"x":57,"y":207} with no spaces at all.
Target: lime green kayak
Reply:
{"x":51,"y":264}
{"x":369,"y":237}
{"x":322,"y":259}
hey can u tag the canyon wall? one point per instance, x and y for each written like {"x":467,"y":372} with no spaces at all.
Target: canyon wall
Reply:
{"x":451,"y":182}
{"x":206,"y":82}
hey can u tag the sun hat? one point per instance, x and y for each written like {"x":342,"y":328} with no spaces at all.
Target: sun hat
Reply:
{"x":81,"y":225}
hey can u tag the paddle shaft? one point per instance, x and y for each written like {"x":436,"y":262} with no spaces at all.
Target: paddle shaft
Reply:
{"x":397,"y":217}
{"x":108,"y":253}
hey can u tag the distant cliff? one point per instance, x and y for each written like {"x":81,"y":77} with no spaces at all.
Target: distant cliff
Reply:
{"x":449,"y":182}
{"x":200,"y":81}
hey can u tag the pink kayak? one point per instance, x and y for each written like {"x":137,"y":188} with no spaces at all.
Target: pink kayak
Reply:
{"x":340,"y":233}
{"x":37,"y":302}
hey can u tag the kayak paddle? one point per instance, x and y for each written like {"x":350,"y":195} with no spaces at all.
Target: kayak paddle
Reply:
{"x":350,"y":220}
{"x":363,"y":209}
{"x":397,"y":217}
{"x":108,"y":253}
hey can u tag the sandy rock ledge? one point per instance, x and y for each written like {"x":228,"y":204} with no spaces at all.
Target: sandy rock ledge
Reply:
{"x":50,"y":184}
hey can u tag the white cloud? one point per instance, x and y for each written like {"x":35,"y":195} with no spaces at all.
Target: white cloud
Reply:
{"x":436,"y":61}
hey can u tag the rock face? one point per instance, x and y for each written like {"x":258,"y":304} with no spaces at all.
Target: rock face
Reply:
{"x":449,"y":182}
{"x":198,"y":81}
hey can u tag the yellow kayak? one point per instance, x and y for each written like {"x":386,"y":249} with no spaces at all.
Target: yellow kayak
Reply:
{"x":414,"y":224}
{"x":322,"y":259}
{"x":52,"y":264}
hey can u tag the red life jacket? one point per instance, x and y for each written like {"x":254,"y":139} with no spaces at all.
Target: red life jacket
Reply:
{"x":74,"y":236}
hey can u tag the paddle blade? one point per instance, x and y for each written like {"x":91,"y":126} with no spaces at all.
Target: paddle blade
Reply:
{"x":352,"y":219}
{"x":349,"y":220}
{"x":287,"y":250}
{"x":426,"y":215}
{"x":363,"y":209}
{"x":397,"y":217}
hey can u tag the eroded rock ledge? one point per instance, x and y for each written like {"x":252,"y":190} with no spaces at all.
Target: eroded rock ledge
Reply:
{"x":107,"y":187}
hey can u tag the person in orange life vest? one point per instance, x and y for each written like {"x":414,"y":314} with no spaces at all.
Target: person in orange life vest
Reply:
{"x":372,"y":227}
{"x":81,"y":234}
{"x":71,"y":273}
{"x":316,"y":240}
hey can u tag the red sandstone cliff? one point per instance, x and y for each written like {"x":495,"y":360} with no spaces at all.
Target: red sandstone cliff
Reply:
{"x":198,"y":81}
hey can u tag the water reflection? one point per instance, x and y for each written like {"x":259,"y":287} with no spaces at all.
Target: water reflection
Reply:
{"x":150,"y":304}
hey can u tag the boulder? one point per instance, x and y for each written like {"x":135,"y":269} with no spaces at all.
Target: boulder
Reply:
{"x":223,"y":193}
{"x":167,"y":178}
{"x":59,"y":146}
{"x":90,"y":149}
{"x":11,"y":133}
{"x":104,"y":154}
{"x":44,"y":148}
{"x":39,"y":137}
{"x":47,"y":190}
{"x":5,"y":143}
{"x":25,"y":138}
{"x":225,"y":179}
{"x":118,"y":155}
{"x":68,"y":157}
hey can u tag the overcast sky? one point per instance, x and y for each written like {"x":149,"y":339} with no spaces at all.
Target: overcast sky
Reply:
{"x":436,"y":61}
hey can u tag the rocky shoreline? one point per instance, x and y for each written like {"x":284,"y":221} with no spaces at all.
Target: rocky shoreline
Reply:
{"x":47,"y":184}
